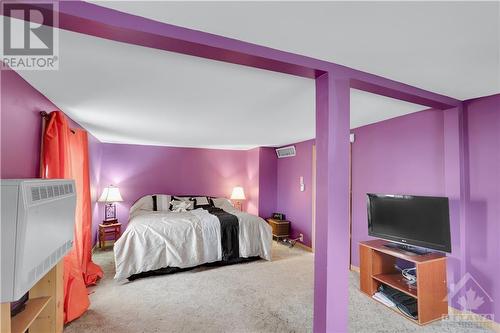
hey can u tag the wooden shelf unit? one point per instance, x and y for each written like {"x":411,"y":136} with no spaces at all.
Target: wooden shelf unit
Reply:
{"x":44,"y":309}
{"x":34,"y":306}
{"x":377,"y":267}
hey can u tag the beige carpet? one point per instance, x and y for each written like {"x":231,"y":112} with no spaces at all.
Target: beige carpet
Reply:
{"x":260,"y":296}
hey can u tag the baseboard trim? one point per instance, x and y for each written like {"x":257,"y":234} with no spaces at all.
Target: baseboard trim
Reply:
{"x":355,"y":268}
{"x":305,"y":247}
{"x":487,"y":323}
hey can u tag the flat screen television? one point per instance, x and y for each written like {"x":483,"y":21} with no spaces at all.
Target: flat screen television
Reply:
{"x":410,"y":220}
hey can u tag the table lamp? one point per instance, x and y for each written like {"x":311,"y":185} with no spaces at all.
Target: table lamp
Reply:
{"x":237,"y":196}
{"x":110,"y":195}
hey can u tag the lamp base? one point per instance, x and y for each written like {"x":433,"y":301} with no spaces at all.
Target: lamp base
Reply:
{"x":238,"y":205}
{"x":110,"y":211}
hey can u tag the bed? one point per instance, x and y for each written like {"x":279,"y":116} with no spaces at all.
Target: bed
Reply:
{"x":159,"y":238}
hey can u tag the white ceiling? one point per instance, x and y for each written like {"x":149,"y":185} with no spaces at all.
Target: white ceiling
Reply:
{"x":452,"y":48}
{"x":124,"y":93}
{"x":368,"y":108}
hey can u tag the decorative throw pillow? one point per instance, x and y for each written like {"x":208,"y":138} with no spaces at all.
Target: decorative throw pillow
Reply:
{"x":223,"y":203}
{"x":181,"y":198}
{"x":181,"y":205}
{"x":201,"y":202}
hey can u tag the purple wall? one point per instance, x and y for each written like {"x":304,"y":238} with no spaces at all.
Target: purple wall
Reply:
{"x":21,"y":131}
{"x":21,"y":126}
{"x":297,"y":205}
{"x":400,"y":155}
{"x":483,"y":222}
{"x":410,"y":154}
{"x":252,"y":186}
{"x":140,"y":170}
{"x":267,"y":181}
{"x":95,"y":160}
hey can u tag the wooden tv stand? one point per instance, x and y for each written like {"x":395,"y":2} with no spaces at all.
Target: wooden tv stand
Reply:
{"x":44,"y":311}
{"x":377,"y":267}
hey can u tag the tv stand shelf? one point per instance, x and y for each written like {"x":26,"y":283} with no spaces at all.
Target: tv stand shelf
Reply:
{"x":397,"y":281}
{"x":44,"y":310}
{"x":377,"y":267}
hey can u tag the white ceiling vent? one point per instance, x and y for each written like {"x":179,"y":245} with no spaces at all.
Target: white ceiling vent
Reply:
{"x":285,"y":151}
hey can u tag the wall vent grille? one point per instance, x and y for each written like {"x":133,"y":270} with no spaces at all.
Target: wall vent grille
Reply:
{"x":49,"y":262}
{"x":286,"y":152}
{"x":50,"y":191}
{"x":35,"y":193}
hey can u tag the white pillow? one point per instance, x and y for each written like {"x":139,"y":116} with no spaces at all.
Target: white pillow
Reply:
{"x":223,"y":203}
{"x":145,"y":203}
{"x":163,"y":202}
{"x":201,"y":201}
{"x":141,"y":206}
{"x":181,"y":205}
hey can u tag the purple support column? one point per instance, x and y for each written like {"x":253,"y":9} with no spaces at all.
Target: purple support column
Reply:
{"x":456,"y":189}
{"x":332,"y":205}
{"x":321,"y":228}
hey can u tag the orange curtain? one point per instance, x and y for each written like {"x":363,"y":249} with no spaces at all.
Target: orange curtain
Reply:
{"x":65,"y":155}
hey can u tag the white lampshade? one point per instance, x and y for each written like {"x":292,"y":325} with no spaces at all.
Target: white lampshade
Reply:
{"x":238,"y":193}
{"x":110,"y":194}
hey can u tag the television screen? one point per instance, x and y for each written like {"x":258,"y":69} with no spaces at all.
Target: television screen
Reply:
{"x":410,"y":219}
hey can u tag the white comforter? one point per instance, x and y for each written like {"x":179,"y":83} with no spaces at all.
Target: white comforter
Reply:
{"x":156,"y":240}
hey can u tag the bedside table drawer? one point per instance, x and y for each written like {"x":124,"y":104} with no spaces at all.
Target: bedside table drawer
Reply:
{"x":109,"y":229}
{"x":281,"y":228}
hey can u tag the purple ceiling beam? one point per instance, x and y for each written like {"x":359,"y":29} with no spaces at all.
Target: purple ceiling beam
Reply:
{"x":94,"y":20}
{"x":394,"y":90}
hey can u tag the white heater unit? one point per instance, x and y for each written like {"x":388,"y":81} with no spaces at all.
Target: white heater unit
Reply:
{"x":285,"y":151}
{"x":36,"y":231}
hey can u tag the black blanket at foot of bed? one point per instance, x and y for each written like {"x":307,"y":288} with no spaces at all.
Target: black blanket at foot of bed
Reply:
{"x":230,"y":231}
{"x":171,"y":270}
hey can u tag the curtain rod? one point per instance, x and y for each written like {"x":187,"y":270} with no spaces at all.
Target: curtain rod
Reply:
{"x":46,"y":116}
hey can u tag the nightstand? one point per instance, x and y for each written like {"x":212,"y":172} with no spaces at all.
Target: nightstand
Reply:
{"x":281,"y":228}
{"x":109,"y":229}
